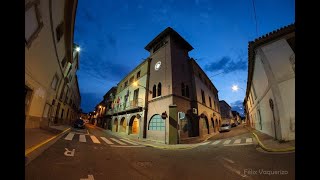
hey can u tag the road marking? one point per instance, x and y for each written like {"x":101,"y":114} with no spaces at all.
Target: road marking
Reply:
{"x":216,"y":142}
{"x":249,"y":140}
{"x":106,"y":140}
{"x":118,"y":141}
{"x":205,"y":143}
{"x":229,"y":160}
{"x":82,"y":138}
{"x":90,"y":177}
{"x":129,"y":142}
{"x":69,"y":153}
{"x":227,"y":142}
{"x":125,"y":146}
{"x":95,"y":140}
{"x":243,"y":144}
{"x":234,"y":170}
{"x":69,"y":136}
{"x":237,"y":141}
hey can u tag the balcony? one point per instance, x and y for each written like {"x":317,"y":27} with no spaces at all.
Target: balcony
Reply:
{"x":128,"y":106}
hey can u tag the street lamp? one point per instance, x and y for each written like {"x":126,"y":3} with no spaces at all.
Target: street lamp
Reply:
{"x":236,"y":88}
{"x":78,"y":49}
{"x":136,"y":84}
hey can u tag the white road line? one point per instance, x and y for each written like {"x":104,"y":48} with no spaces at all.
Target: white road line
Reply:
{"x":216,"y":142}
{"x":243,"y":144}
{"x":69,"y":136}
{"x":125,"y":146}
{"x":82,"y":138}
{"x":129,"y":142}
{"x":229,"y":160}
{"x":249,"y":140}
{"x":237,"y":141}
{"x":95,"y":140}
{"x":205,"y":143}
{"x":106,"y":140}
{"x":118,"y":141}
{"x":234,"y":170}
{"x":227,"y":142}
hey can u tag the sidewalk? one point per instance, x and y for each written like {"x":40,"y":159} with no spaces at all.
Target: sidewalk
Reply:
{"x":38,"y":140}
{"x":269,"y":144}
{"x":159,"y":145}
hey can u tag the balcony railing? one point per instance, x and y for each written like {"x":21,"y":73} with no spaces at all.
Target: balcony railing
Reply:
{"x":128,"y":105}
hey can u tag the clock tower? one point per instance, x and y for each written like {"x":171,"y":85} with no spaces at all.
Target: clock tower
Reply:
{"x":169,"y":68}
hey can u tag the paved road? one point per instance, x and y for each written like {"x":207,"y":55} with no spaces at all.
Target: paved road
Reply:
{"x":103,"y":160}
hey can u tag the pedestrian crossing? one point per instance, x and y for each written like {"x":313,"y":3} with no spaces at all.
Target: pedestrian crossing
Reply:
{"x":113,"y":142}
{"x":232,"y":142}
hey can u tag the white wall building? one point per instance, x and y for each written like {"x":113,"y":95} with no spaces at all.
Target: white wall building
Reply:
{"x":271,"y":80}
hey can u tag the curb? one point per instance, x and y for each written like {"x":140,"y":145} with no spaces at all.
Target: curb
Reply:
{"x":290,"y":149}
{"x":34,"y":151}
{"x":160,"y":147}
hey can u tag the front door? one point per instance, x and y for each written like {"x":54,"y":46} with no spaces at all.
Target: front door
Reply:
{"x":135,"y":126}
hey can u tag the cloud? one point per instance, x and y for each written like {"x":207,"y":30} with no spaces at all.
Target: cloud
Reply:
{"x":237,"y":106}
{"x":227,"y":65}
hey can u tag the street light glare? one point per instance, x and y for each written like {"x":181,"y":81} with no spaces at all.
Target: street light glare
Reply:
{"x":235,"y":88}
{"x":78,"y":49}
{"x":135,"y":83}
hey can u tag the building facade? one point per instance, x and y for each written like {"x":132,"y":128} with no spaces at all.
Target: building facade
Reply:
{"x":51,"y":87}
{"x":270,"y":94}
{"x":167,"y":98}
{"x":226,"y":113}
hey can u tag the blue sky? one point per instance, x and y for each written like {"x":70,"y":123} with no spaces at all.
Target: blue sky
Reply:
{"x":112,"y":36}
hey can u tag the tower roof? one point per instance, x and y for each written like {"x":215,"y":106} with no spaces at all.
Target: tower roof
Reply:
{"x":174,"y":35}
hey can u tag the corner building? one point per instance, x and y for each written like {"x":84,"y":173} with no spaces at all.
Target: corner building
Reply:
{"x":167,"y":98}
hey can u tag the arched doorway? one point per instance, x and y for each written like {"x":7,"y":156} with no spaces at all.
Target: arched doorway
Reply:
{"x":115,"y":125}
{"x":212,"y":121}
{"x":134,"y":125}
{"x":123,"y":125}
{"x":205,"y":124}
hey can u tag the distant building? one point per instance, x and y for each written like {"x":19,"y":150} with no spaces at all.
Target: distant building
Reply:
{"x":236,"y":116}
{"x":52,"y":94}
{"x":270,"y":94}
{"x":167,"y":98}
{"x":226,"y":114}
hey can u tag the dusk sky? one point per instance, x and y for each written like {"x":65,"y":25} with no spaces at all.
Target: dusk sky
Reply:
{"x":112,"y":36}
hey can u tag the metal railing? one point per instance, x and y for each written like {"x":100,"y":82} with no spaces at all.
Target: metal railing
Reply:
{"x":135,"y":103}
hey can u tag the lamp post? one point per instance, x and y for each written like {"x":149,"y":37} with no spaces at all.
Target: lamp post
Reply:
{"x":136,"y":84}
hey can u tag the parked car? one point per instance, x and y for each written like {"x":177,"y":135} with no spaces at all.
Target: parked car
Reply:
{"x":234,"y":124}
{"x":225,"y":127}
{"x":79,"y":123}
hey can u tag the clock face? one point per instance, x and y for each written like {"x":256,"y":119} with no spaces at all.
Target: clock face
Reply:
{"x":157,"y":66}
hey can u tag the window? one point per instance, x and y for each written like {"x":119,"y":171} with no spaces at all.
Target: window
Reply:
{"x":200,"y":76}
{"x":187,"y":91}
{"x":154,"y":91}
{"x":70,"y":78}
{"x":182,"y":89}
{"x":210,"y":101}
{"x":126,"y":84}
{"x":203,"y":97}
{"x":59,"y":31}
{"x":131,"y":80}
{"x":33,"y":22}
{"x":159,"y":89}
{"x":63,"y":62}
{"x":54,"y":82}
{"x":156,"y":123}
{"x":138,"y":74}
{"x":214,"y":104}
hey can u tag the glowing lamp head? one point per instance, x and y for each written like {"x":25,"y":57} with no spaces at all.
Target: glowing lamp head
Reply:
{"x":235,"y":88}
{"x":78,"y":49}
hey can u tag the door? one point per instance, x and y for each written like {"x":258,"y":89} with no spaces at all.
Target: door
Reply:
{"x":135,"y":126}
